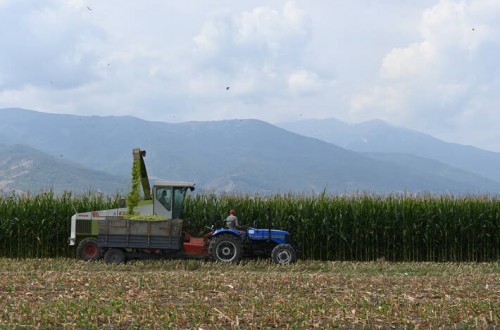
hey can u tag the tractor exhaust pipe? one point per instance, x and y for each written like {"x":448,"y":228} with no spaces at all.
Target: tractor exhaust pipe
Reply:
{"x":269,"y":224}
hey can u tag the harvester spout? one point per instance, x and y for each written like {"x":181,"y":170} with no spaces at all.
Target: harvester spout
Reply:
{"x":139,"y":160}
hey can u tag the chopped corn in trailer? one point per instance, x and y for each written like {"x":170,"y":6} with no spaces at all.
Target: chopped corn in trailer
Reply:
{"x":156,"y":230}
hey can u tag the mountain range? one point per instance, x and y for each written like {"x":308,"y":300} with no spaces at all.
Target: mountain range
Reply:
{"x":245,"y":156}
{"x":377,"y":136}
{"x":24,"y":169}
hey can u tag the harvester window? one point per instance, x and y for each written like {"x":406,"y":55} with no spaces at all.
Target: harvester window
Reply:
{"x":179,"y":194}
{"x":164,"y":196}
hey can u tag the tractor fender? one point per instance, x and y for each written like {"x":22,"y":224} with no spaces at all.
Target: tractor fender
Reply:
{"x":219,"y":232}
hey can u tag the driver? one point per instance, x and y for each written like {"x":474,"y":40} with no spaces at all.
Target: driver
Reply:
{"x":232,"y":220}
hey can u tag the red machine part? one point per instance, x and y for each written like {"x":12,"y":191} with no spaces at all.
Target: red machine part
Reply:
{"x":195,"y":245}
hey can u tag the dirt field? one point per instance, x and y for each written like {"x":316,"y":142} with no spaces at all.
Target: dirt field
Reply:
{"x":71,"y":294}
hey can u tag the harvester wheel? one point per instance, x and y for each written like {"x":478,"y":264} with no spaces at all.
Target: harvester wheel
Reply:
{"x":88,"y":249}
{"x":114,"y":256}
{"x":225,"y":248}
{"x":284,"y":254}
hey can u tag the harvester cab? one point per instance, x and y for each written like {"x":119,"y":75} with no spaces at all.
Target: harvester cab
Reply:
{"x":167,"y":196}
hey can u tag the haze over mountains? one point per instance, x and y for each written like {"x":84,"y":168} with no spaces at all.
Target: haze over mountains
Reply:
{"x":24,"y":169}
{"x":248,"y":156}
{"x":380,"y":137}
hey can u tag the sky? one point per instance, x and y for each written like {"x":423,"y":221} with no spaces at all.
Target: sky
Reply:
{"x":431,"y":66}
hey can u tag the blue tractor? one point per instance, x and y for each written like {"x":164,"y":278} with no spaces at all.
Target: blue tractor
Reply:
{"x":231,"y":245}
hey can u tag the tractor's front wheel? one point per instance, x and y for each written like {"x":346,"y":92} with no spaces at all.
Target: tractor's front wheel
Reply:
{"x":88,"y":249}
{"x":226,"y":248}
{"x":284,"y":254}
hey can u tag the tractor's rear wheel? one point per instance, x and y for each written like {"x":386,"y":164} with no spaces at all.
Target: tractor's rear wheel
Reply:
{"x":284,"y":254}
{"x":88,"y":249}
{"x":226,"y":248}
{"x":114,"y":256}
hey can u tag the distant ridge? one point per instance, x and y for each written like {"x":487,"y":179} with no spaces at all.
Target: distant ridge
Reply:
{"x":246,"y":156}
{"x":24,"y":169}
{"x":379,"y":136}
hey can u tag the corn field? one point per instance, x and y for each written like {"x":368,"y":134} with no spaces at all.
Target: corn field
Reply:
{"x":33,"y":226}
{"x":367,"y":227}
{"x":360,"y":228}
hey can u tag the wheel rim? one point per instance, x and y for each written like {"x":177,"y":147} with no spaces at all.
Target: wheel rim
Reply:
{"x":115,"y":258}
{"x":226,"y":251}
{"x":90,"y":250}
{"x":284,"y":257}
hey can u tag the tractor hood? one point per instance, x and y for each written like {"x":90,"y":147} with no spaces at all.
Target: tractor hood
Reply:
{"x":278,"y":236}
{"x":254,"y":234}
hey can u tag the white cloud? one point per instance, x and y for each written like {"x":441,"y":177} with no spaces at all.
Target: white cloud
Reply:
{"x":213,"y":37}
{"x":303,"y":82}
{"x":254,"y":51}
{"x":283,"y":60}
{"x":409,"y":62}
{"x":48,"y":46}
{"x":434,"y":83}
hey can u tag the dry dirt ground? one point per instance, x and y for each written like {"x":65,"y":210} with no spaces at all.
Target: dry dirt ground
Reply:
{"x":190,"y":294}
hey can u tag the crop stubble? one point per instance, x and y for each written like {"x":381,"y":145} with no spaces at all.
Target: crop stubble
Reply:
{"x":71,"y":294}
